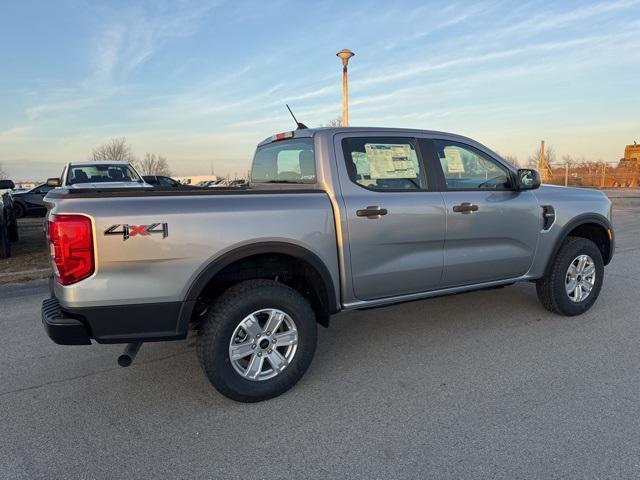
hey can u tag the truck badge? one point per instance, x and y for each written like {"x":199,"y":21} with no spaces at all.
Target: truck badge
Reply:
{"x":126,"y":231}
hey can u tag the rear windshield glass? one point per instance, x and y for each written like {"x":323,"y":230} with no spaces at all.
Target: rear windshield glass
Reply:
{"x":286,"y":161}
{"x":101,"y":173}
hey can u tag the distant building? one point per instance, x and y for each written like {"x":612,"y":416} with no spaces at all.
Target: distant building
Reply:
{"x":632,"y":153}
{"x":627,"y":170}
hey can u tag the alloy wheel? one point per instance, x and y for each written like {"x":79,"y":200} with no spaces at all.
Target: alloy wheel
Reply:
{"x":580,"y":278}
{"x":263,"y":344}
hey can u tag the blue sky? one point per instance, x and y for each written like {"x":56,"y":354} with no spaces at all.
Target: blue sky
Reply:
{"x":202,"y":82}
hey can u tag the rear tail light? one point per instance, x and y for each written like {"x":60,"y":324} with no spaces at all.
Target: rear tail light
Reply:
{"x":71,"y":247}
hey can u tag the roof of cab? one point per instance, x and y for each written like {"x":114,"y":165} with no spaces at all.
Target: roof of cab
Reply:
{"x":98,"y":162}
{"x":310,"y":132}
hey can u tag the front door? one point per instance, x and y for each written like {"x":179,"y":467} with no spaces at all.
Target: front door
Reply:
{"x":395,"y":218}
{"x":35,"y":198}
{"x":492,"y":229}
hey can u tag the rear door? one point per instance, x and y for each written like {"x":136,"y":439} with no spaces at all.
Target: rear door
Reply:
{"x":492,"y":229}
{"x":395,"y":218}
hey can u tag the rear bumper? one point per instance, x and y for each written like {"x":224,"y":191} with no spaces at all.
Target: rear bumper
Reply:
{"x":117,"y":323}
{"x":61,"y":329}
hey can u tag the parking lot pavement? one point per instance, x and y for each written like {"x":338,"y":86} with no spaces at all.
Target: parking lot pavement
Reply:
{"x":485,"y":384}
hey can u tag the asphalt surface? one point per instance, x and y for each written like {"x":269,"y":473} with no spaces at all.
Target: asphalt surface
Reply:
{"x":480,"y":385}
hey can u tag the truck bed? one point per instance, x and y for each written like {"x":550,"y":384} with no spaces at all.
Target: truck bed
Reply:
{"x":202,"y":227}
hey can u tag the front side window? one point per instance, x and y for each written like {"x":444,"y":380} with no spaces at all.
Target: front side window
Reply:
{"x":167,"y":182}
{"x":465,"y":168}
{"x":286,"y":161}
{"x":101,"y":174}
{"x":42,"y":189}
{"x":383,"y":163}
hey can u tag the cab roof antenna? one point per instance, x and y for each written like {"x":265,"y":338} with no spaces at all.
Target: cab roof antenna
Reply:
{"x":301,"y":126}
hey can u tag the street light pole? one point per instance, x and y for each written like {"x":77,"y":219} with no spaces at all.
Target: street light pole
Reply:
{"x":345,"y":55}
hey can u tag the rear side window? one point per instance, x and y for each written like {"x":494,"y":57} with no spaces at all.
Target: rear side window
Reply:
{"x":384,"y":163}
{"x":286,"y":161}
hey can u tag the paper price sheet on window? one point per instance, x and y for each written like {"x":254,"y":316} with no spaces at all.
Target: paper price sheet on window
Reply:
{"x":454,"y":160}
{"x":390,"y":161}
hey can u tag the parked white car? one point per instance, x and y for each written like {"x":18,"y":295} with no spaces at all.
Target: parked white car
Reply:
{"x":99,"y":175}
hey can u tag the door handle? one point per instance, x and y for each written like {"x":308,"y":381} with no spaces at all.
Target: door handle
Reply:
{"x":465,"y":208}
{"x":371,"y":212}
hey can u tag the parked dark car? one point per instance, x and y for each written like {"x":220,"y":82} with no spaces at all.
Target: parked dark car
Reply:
{"x":8,"y":223}
{"x":164,"y":181}
{"x":31,"y":202}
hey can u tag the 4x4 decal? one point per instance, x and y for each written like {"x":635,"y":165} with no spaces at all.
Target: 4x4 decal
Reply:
{"x":126,"y":231}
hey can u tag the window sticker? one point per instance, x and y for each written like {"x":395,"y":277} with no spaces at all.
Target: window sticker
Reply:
{"x":390,"y":161}
{"x":454,"y":160}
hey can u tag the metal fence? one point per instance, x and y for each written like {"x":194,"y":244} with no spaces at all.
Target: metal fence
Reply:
{"x":600,"y":175}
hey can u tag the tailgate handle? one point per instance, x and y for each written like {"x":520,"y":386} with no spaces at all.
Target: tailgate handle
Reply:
{"x":466,"y":208}
{"x":372,"y":212}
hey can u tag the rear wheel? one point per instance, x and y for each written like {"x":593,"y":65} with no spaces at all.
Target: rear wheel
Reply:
{"x":5,"y":243}
{"x":574,"y":281}
{"x":257,"y":340}
{"x":19,"y":209}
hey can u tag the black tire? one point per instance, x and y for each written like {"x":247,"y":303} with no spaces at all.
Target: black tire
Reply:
{"x":226,"y":313}
{"x":5,"y":243}
{"x":14,"y":236}
{"x":19,"y":210}
{"x":551,"y":288}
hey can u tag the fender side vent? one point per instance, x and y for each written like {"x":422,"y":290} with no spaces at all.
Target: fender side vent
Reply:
{"x":548,"y":216}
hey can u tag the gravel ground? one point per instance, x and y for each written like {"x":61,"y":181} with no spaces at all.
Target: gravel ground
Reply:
{"x":29,"y":259}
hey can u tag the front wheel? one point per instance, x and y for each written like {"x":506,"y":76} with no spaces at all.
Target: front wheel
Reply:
{"x":14,"y":236}
{"x":574,"y":280}
{"x":257,"y":340}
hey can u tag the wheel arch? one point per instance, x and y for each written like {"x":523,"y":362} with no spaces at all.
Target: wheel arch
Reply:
{"x":322,"y":280}
{"x":591,"y":226}
{"x":22,"y":204}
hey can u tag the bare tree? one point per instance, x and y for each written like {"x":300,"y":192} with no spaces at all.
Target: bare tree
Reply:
{"x":153,"y":164}
{"x":549,"y":155}
{"x":116,"y":149}
{"x":334,"y":122}
{"x":568,"y":160}
{"x":583,"y":162}
{"x":3,"y":173}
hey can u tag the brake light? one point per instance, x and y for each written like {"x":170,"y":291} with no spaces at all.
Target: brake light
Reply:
{"x":71,"y":247}
{"x":281,"y":136}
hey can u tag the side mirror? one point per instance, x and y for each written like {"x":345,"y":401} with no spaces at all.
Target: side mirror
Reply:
{"x":528,"y":179}
{"x":7,"y":185}
{"x":53,"y":182}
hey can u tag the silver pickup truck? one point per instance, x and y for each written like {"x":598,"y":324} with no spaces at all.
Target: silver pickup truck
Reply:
{"x":334,"y":219}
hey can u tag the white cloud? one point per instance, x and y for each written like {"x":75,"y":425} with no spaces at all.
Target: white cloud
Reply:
{"x":132,"y":36}
{"x":15,"y":134}
{"x":401,"y":72}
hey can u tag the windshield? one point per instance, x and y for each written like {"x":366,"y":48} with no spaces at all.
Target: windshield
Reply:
{"x":101,"y":174}
{"x":288,"y":161}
